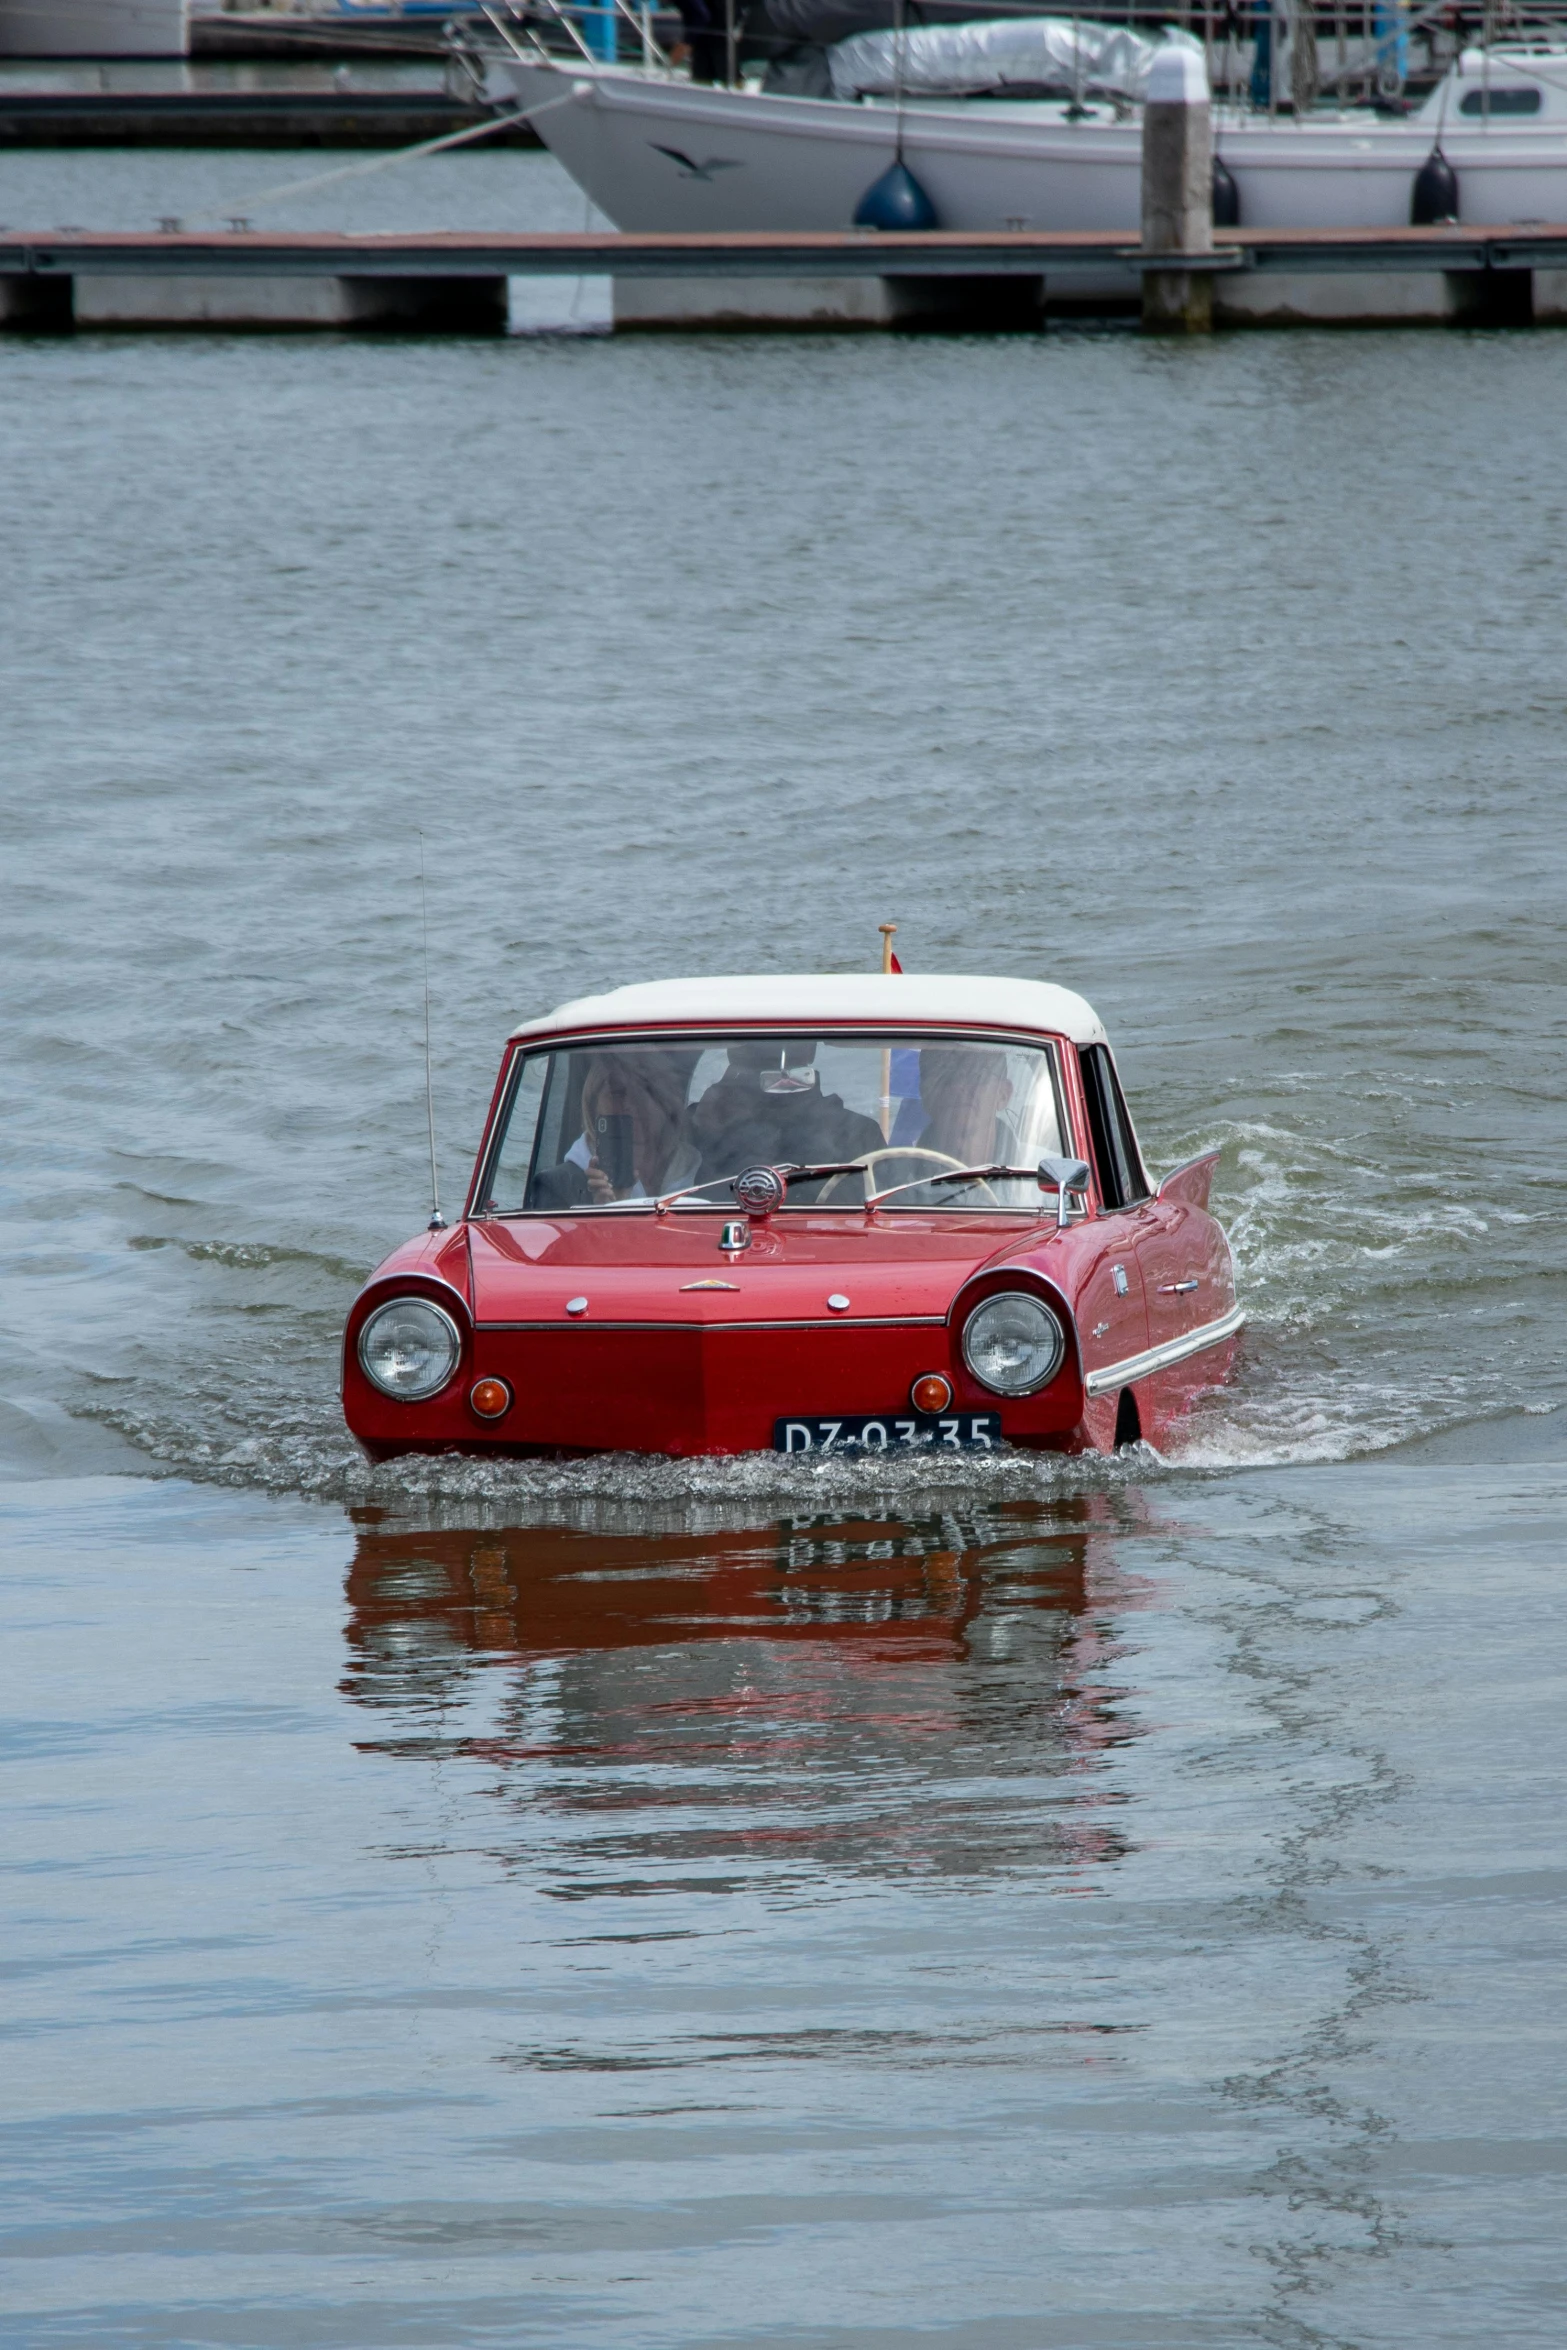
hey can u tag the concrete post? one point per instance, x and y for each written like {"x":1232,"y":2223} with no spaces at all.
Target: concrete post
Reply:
{"x":1177,"y":192}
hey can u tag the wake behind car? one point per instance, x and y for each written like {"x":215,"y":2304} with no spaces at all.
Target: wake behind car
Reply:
{"x":807,"y":1213}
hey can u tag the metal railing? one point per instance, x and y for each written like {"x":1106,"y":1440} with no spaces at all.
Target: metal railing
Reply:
{"x":592,"y":29}
{"x":1279,"y":55}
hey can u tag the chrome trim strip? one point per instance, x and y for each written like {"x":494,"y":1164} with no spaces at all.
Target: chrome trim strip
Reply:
{"x":1160,"y":1358}
{"x":421,"y":1394}
{"x":608,"y":1033}
{"x":837,"y":1322}
{"x":437,"y":1281}
{"x":1074,"y":1336}
{"x":412,"y":1273}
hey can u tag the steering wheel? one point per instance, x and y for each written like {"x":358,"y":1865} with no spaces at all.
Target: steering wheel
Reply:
{"x":904,"y":1151}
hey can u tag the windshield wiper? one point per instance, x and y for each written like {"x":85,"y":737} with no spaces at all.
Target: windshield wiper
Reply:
{"x":1062,"y":1176}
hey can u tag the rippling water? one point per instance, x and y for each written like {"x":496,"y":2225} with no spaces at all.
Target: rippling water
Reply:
{"x":1223,"y":685}
{"x":1120,"y":1920}
{"x":735,"y":1902}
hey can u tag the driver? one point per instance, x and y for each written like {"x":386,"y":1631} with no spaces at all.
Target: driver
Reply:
{"x":768,"y":1109}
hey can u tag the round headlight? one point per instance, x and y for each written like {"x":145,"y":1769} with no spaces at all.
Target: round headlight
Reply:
{"x":1013,"y":1343}
{"x":409,"y":1348}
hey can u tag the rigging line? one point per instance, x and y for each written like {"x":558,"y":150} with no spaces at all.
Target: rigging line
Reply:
{"x":1441,"y":114}
{"x":351,"y":171}
{"x":898,"y":78}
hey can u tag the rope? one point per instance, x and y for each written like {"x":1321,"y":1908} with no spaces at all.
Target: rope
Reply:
{"x":350,"y":171}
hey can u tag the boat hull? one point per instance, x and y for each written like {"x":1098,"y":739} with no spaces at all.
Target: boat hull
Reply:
{"x":664,"y":156}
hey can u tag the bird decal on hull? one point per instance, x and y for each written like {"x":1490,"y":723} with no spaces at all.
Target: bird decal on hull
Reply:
{"x":689,"y":168}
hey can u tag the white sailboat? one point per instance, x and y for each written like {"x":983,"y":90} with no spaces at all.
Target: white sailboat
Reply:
{"x":657,"y":152}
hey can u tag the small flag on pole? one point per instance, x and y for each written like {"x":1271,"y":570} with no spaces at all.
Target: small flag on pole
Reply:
{"x":889,"y":962}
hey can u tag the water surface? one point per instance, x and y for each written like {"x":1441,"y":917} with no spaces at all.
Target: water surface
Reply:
{"x":732,"y":1903}
{"x":1121,"y":1920}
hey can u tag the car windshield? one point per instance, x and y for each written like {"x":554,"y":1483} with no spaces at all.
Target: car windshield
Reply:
{"x":612,"y":1124}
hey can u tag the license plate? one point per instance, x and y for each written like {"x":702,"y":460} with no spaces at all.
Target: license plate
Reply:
{"x":890,"y":1432}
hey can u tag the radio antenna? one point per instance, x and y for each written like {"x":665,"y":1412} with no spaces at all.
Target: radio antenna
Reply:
{"x":437,"y":1221}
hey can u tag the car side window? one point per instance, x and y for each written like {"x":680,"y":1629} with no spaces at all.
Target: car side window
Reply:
{"x":1117,"y":1160}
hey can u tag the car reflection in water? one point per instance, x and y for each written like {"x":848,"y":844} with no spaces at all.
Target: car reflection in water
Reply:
{"x":930,"y":1693}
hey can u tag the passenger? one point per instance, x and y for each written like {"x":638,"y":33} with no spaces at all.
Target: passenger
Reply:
{"x":635,"y":1141}
{"x":964,"y":1089}
{"x":768,"y":1109}
{"x":704,"y":38}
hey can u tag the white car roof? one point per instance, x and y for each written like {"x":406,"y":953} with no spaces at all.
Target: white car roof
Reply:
{"x":874,"y":998}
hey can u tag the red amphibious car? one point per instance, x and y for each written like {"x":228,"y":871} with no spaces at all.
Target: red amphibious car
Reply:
{"x":721,"y":1215}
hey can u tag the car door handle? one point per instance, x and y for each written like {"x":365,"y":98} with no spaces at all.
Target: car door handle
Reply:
{"x":1177,"y":1288}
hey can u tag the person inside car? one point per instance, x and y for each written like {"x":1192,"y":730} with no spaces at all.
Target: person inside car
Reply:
{"x":768,"y":1109}
{"x":634,"y":1142}
{"x":964,"y":1090}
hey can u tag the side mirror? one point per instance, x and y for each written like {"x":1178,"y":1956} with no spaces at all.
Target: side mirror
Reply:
{"x":1064,"y":1176}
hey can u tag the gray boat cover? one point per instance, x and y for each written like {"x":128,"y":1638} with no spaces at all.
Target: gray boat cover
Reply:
{"x":1037,"y":54}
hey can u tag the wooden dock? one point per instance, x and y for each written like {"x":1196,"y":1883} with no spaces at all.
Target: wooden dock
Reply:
{"x":457,"y":280}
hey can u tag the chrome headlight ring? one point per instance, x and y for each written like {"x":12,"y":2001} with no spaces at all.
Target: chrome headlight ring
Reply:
{"x":409,"y":1348}
{"x":1013,"y":1343}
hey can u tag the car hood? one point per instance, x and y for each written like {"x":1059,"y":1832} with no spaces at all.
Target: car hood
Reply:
{"x":670,"y":1269}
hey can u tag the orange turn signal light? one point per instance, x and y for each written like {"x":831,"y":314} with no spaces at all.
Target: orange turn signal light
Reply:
{"x":931,"y":1393}
{"x":490,"y":1398}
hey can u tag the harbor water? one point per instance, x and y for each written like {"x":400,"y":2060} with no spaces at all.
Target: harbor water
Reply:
{"x":1098,"y":1906}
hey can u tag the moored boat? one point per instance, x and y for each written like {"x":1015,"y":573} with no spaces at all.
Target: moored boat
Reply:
{"x":657,"y":152}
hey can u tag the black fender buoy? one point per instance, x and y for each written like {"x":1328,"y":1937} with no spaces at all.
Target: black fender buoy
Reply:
{"x":1226,"y":197}
{"x":1434,"y":196}
{"x":896,"y":201}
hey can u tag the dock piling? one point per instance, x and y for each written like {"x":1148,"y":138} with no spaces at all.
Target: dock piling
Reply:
{"x":1177,"y":194}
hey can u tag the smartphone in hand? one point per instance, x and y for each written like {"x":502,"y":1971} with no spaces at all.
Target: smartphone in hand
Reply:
{"x":614,"y":1147}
